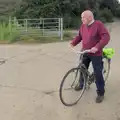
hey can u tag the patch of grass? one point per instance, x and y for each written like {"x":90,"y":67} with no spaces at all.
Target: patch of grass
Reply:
{"x":8,"y":33}
{"x":36,"y":38}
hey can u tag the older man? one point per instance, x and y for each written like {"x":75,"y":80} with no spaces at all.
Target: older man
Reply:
{"x":94,"y":36}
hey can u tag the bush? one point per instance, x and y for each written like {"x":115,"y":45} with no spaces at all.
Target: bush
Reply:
{"x":103,"y":19}
{"x":106,"y":15}
{"x":72,"y":21}
{"x":76,"y":22}
{"x":118,"y":12}
{"x":67,"y":20}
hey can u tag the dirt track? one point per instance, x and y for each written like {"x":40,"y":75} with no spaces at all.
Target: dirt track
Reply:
{"x":30,"y":80}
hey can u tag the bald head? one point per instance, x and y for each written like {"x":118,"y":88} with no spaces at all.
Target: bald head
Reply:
{"x":87,"y":16}
{"x":88,"y":13}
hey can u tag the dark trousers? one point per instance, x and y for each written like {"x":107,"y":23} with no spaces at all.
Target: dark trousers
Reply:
{"x":98,"y":67}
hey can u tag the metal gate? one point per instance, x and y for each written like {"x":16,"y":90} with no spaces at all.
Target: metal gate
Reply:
{"x":45,"y":27}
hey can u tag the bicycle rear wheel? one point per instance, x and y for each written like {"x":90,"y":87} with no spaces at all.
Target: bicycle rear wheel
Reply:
{"x":68,"y":95}
{"x":106,"y":68}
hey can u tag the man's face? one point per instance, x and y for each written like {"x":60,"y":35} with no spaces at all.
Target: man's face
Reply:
{"x":85,"y":19}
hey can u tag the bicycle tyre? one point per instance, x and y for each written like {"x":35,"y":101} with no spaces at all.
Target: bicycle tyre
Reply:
{"x":81,"y":91}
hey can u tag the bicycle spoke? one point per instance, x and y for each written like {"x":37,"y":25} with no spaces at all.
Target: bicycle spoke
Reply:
{"x":68,"y":94}
{"x":75,"y":79}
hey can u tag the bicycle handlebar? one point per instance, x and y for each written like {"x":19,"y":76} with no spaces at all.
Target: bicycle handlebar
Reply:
{"x":81,"y":52}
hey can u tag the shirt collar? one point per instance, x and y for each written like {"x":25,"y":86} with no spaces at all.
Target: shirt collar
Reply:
{"x":91,"y":22}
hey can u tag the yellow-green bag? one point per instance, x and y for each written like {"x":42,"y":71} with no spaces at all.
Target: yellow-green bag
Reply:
{"x":108,"y":52}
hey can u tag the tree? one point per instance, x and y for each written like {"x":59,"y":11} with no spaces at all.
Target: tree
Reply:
{"x":70,"y":10}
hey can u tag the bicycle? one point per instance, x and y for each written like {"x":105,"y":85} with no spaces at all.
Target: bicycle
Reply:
{"x":88,"y":77}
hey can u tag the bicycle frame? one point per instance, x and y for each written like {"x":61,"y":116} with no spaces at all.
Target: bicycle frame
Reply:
{"x":82,"y":65}
{"x":90,"y":76}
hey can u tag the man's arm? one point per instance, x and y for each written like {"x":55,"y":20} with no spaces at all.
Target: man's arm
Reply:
{"x":105,"y":37}
{"x":77,"y":39}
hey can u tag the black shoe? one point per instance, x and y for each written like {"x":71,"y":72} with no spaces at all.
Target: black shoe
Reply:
{"x":78,"y":87}
{"x":99,"y":98}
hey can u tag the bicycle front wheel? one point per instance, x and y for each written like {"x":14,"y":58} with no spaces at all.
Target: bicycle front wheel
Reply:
{"x":68,"y":95}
